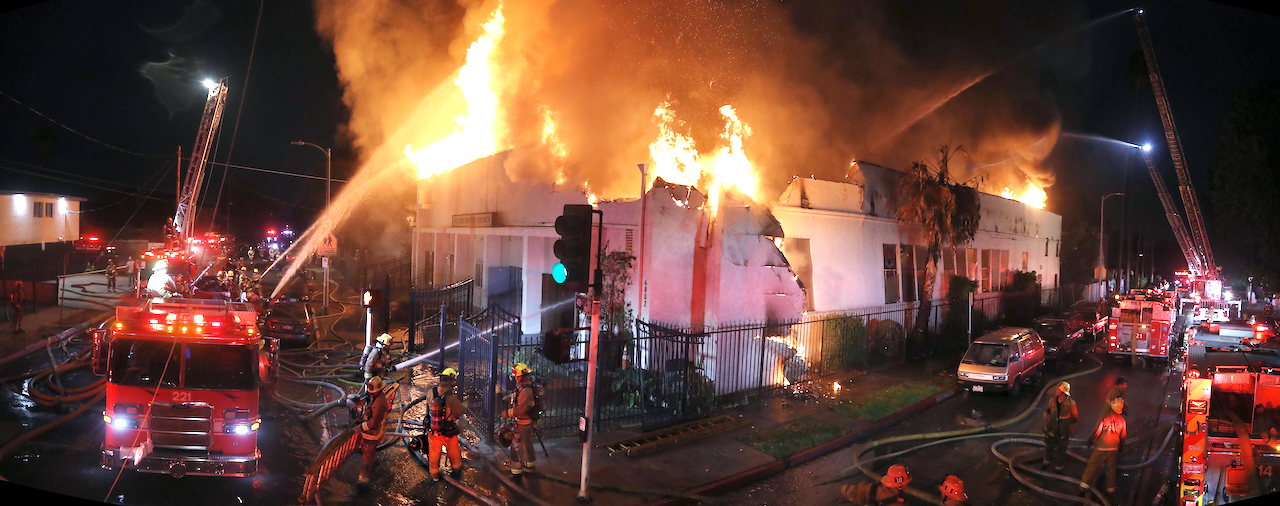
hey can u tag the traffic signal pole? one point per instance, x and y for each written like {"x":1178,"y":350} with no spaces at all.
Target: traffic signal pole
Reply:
{"x":587,"y":419}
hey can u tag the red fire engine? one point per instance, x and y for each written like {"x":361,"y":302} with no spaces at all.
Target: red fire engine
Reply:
{"x":1231,"y":439}
{"x":182,"y":387}
{"x":1141,"y":327}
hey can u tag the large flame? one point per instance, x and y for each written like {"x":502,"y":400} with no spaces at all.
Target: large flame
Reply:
{"x":1032,"y":196}
{"x":676,"y":158}
{"x":473,"y":136}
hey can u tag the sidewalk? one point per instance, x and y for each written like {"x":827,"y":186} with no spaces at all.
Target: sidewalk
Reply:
{"x":728,"y":460}
{"x":85,"y":297}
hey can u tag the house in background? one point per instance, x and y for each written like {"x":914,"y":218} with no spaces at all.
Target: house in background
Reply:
{"x":37,"y":231}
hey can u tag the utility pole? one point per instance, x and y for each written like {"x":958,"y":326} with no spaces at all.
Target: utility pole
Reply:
{"x":587,"y":419}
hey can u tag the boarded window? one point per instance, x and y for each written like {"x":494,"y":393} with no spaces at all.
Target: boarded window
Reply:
{"x":891,"y":274}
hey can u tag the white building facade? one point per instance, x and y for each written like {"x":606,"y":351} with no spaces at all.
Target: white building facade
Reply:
{"x":37,"y":218}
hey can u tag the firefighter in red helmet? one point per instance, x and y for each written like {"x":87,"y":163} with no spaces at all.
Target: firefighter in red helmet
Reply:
{"x":953,"y":492}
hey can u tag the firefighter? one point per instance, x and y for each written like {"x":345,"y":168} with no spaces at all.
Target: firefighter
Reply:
{"x":524,"y":410}
{"x":1107,"y":442}
{"x":1060,"y":419}
{"x":953,"y":492}
{"x":895,"y":481}
{"x":442,"y":425}
{"x":112,"y":272}
{"x":1118,"y":389}
{"x":373,"y":414}
{"x":16,"y":297}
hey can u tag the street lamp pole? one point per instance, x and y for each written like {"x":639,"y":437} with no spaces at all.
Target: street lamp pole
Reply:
{"x":328,"y":171}
{"x":328,"y":199}
{"x":1102,"y":236}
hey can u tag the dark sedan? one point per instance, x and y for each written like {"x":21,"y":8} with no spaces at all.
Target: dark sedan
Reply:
{"x":290,"y":322}
{"x":1063,"y":336}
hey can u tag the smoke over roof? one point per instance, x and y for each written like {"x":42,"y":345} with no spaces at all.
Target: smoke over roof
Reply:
{"x":820,"y":83}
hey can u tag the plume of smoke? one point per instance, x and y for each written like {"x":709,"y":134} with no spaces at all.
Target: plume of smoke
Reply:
{"x":819,"y":82}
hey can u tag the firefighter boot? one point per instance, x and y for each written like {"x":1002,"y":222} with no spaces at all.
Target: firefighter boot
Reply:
{"x":456,"y":474}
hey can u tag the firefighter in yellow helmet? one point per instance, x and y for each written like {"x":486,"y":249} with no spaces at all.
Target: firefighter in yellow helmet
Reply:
{"x":525,"y":409}
{"x":1107,"y":442}
{"x":441,"y":424}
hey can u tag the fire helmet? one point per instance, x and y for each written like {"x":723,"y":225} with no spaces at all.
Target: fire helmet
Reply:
{"x":449,"y":374}
{"x":1117,"y":404}
{"x":374,"y":384}
{"x":520,"y":369}
{"x":897,"y":477}
{"x":953,"y":488}
{"x":384,"y":339}
{"x":1064,"y":387}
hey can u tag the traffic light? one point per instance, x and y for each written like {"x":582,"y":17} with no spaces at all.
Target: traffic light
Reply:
{"x":556,"y":345}
{"x":370,"y":297}
{"x":573,"y":248}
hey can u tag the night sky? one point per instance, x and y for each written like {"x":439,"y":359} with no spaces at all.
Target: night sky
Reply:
{"x":127,"y":75}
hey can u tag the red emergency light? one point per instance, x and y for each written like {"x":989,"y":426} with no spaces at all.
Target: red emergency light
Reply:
{"x":271,"y":232}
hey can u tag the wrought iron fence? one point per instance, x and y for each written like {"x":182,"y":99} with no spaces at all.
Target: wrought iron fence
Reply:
{"x":426,"y":308}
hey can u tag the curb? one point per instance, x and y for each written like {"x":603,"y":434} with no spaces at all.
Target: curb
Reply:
{"x":58,"y":337}
{"x":732,"y":482}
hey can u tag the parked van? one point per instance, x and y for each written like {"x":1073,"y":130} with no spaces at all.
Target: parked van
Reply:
{"x":1002,"y":361}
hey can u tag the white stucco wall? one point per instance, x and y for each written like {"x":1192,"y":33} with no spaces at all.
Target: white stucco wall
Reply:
{"x":18,"y":224}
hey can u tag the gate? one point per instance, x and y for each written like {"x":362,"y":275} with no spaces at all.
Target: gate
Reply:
{"x":425,"y":310}
{"x":478,"y":361}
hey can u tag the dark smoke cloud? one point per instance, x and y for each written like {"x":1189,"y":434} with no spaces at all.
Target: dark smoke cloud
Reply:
{"x":819,"y":82}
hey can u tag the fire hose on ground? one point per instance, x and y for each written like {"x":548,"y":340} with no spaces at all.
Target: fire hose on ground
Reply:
{"x":931,"y":497}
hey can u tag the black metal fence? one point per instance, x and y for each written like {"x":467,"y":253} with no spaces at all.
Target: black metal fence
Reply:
{"x":666,"y":374}
{"x":426,"y":307}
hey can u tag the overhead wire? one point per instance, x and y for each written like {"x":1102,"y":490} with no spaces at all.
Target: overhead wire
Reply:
{"x":253,"y":46}
{"x":77,"y":132}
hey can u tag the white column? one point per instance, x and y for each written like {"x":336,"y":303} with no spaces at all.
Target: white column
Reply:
{"x":532,"y":266}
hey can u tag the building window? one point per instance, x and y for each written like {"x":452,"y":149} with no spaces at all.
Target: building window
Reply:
{"x":1004,"y":268}
{"x":986,"y":270}
{"x":48,"y":209}
{"x":37,"y":210}
{"x":479,"y":274}
{"x":1024,"y":261}
{"x":971,"y":264}
{"x":922,"y":264}
{"x":630,"y":240}
{"x":907,"y":260}
{"x":891,"y":274}
{"x":1046,"y":247}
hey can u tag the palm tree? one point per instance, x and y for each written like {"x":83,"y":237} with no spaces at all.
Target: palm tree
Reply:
{"x":947,"y":212}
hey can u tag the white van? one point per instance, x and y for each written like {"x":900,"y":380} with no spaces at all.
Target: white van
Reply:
{"x":1002,"y":361}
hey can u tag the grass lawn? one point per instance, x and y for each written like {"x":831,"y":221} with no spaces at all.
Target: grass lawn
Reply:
{"x":890,"y":400}
{"x":792,"y":437}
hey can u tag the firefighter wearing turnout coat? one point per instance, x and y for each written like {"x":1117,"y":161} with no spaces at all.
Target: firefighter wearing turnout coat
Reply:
{"x":373,"y":415}
{"x":1107,"y":442}
{"x":887,"y":492}
{"x":442,"y":425}
{"x":1060,"y":419}
{"x":524,"y":410}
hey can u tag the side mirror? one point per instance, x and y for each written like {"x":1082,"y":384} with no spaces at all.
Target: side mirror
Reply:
{"x":101,"y":346}
{"x":1014,"y":358}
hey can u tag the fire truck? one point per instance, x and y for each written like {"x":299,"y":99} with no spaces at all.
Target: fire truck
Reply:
{"x":1141,"y":327}
{"x":1231,"y":438}
{"x":182,"y":389}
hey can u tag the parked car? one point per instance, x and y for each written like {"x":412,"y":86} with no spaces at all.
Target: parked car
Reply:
{"x":1002,"y":360}
{"x":289,"y":322}
{"x":1063,"y":336}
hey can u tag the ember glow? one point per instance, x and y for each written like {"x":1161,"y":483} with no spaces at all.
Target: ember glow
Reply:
{"x":1032,"y":196}
{"x":473,"y":136}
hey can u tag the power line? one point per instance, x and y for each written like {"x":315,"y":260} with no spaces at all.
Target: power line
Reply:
{"x":37,"y":174}
{"x":107,"y":181}
{"x":77,"y":132}
{"x":277,"y":172}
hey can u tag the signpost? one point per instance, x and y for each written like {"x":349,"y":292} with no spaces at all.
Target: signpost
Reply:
{"x":327,"y":249}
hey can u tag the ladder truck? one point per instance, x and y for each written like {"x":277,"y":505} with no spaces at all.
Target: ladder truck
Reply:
{"x":177,"y":251}
{"x":1231,"y":397}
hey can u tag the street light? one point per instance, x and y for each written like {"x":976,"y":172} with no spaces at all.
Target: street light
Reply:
{"x":328,"y":171}
{"x":1102,"y":235}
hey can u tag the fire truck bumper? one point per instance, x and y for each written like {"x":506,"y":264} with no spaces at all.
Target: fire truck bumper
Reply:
{"x":179,"y":465}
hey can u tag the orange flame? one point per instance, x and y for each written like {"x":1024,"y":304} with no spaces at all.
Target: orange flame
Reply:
{"x":676,"y":158}
{"x":1032,"y":196}
{"x":473,"y":136}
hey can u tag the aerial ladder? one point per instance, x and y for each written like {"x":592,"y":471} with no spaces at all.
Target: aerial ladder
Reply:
{"x":1199,"y":256}
{"x":185,"y":218}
